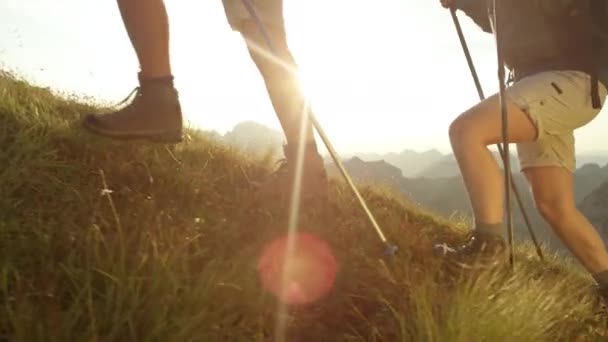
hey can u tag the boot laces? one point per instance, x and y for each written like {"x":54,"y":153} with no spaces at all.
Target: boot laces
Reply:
{"x":282,"y":167}
{"x":474,"y":245}
{"x":135,"y":93}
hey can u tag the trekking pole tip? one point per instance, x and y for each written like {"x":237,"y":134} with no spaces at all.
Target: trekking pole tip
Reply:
{"x":390,"y":250}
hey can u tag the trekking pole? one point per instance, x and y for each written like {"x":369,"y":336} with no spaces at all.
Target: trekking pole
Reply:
{"x":390,"y":249}
{"x":505,"y":123}
{"x":465,"y":48}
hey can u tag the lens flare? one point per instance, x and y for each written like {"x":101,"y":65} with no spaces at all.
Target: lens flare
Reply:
{"x":310,"y":274}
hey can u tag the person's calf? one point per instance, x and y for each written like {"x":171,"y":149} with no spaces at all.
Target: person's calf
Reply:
{"x":147,"y":25}
{"x":576,"y":232}
{"x":278,"y":70}
{"x":480,"y":173}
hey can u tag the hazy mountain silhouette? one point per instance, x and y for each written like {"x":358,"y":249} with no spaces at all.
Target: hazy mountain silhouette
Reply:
{"x":410,"y":162}
{"x":448,"y":167}
{"x":587,"y":179}
{"x":428,"y":178}
{"x":377,"y":171}
{"x":591,"y":158}
{"x":259,"y":139}
{"x":595,"y":206}
{"x":255,"y":139}
{"x":447,"y":195}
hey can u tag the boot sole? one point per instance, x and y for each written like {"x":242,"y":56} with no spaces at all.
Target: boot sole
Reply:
{"x":169,"y":137}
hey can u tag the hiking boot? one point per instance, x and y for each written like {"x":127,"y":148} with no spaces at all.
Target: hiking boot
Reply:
{"x":480,"y":251}
{"x":603,"y":299}
{"x":314,"y":184}
{"x":154,"y":114}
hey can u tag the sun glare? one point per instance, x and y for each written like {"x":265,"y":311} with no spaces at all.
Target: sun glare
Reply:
{"x":311,"y":270}
{"x":308,"y":82}
{"x":354,"y":67}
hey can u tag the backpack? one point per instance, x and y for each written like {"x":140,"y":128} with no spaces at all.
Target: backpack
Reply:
{"x":596,"y":14}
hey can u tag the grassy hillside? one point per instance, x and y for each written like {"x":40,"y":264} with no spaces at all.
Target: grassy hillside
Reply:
{"x":108,"y":241}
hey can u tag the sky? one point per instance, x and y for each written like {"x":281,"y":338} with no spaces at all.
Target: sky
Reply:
{"x":382,"y":75}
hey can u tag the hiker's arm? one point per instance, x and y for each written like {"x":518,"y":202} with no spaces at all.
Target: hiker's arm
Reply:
{"x":476,"y":10}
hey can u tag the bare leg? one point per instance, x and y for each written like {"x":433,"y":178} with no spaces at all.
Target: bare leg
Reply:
{"x":282,"y":86}
{"x":278,"y":71}
{"x":470,"y":134}
{"x":155,"y":114}
{"x":552,"y":186}
{"x":553,"y":191}
{"x":147,"y":24}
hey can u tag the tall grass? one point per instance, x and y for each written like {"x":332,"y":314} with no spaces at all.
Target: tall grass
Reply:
{"x":124,"y":241}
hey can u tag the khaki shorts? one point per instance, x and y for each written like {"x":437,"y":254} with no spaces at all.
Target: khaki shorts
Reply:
{"x":557,"y":102}
{"x":269,"y":11}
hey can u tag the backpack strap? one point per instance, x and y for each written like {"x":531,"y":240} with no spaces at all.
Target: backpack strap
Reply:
{"x":595,"y":91}
{"x":598,"y":11}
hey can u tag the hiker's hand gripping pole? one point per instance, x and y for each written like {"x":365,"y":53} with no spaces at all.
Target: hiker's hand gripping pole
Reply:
{"x":465,"y":49}
{"x":389,"y":249}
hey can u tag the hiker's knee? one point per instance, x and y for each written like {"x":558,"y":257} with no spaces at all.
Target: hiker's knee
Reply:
{"x":462,"y":131}
{"x":258,"y":47}
{"x":554,"y":208}
{"x":552,"y":189}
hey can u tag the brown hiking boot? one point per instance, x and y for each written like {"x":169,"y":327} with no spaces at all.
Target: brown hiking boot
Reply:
{"x":314,"y":184}
{"x":602,"y":304}
{"x":480,"y":251}
{"x":154,"y":114}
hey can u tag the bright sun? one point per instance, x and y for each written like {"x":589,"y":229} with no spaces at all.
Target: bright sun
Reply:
{"x":355,"y":63}
{"x":351,"y":69}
